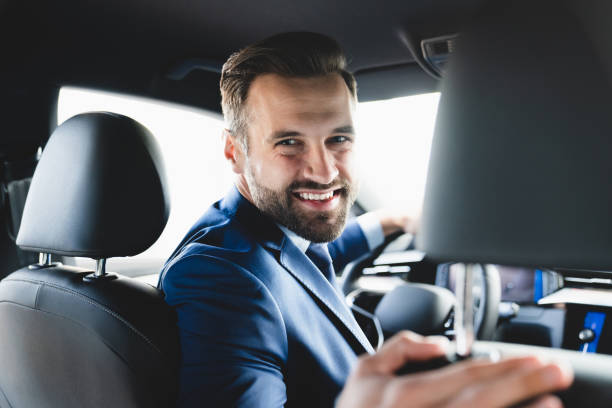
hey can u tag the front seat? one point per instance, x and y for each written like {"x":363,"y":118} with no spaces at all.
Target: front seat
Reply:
{"x":71,"y":337}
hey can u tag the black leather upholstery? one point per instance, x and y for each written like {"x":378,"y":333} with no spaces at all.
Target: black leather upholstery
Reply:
{"x":520,"y":163}
{"x":99,"y":190}
{"x":70,"y":342}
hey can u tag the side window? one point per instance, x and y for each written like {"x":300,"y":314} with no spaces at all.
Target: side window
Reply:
{"x":394,"y":139}
{"x":197,"y":172}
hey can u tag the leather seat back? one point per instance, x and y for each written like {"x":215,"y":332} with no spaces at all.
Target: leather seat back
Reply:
{"x":69,"y":338}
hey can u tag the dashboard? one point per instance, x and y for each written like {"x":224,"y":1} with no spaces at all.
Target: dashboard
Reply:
{"x":524,"y":286}
{"x":538,"y":307}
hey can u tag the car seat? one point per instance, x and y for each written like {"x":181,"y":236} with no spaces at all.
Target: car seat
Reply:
{"x":72,"y":337}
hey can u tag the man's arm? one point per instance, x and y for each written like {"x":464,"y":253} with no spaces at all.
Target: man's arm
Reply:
{"x":233,"y":342}
{"x":476,"y":383}
{"x":367,"y":232}
{"x":393,"y":221}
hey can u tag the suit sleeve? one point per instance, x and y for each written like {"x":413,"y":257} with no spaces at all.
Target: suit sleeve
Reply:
{"x":233,"y":339}
{"x":349,"y":246}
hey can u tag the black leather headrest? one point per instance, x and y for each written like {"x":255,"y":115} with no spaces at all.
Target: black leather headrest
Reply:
{"x":99,"y":190}
{"x":521,"y":161}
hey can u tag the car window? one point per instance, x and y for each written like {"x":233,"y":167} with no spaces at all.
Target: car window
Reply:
{"x":393,"y":150}
{"x":394,"y":143}
{"x":190,"y":140}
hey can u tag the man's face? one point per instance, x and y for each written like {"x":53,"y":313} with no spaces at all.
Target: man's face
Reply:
{"x":298,"y":169}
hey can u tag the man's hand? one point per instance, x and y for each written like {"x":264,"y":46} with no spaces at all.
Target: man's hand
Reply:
{"x":474,"y":383}
{"x":392,"y":221}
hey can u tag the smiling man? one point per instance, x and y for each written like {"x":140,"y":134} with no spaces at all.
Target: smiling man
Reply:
{"x":261,"y":320}
{"x":300,"y":172}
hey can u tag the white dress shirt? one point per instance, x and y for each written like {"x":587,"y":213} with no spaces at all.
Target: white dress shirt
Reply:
{"x":369,"y":224}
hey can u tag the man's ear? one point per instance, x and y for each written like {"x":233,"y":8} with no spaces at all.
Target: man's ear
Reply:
{"x":233,"y":151}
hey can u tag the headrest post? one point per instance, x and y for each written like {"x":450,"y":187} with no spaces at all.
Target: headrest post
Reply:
{"x":100,"y":268}
{"x":100,"y":273}
{"x":44,"y":259}
{"x":464,"y":313}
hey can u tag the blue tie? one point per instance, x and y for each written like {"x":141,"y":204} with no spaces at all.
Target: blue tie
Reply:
{"x":319,"y":255}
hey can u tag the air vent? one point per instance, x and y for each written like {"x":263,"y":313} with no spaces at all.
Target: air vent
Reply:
{"x":437,"y":51}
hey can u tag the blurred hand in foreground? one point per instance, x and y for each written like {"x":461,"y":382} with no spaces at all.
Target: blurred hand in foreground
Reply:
{"x":470,"y":383}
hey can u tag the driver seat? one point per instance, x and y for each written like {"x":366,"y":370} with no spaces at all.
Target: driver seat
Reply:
{"x":72,"y":337}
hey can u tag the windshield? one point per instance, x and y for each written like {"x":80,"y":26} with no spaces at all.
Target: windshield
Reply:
{"x":394,"y":143}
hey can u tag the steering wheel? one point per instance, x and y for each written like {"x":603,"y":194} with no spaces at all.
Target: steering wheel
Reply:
{"x":486,"y":293}
{"x":402,"y":307}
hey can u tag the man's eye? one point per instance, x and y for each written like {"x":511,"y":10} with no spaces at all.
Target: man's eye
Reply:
{"x":287,"y":142}
{"x":339,"y":139}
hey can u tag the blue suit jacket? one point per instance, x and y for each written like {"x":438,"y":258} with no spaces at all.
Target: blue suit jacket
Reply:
{"x":259,"y":324}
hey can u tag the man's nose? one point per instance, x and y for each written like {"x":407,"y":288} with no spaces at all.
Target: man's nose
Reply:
{"x":321,"y":166}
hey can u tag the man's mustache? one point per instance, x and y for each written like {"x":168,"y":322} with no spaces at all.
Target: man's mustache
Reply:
{"x":312,"y":185}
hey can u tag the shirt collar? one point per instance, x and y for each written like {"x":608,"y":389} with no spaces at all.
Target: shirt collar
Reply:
{"x":301,"y":243}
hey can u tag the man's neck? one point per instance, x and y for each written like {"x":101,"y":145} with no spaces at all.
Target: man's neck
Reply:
{"x":243,"y":188}
{"x":300,"y":242}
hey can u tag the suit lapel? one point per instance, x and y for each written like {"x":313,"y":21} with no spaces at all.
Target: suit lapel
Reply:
{"x":294,"y":261}
{"x":309,"y":276}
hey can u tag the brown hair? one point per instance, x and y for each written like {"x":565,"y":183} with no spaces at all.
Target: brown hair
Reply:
{"x":297,"y":54}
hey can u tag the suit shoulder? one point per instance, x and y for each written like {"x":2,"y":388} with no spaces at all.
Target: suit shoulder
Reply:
{"x":214,"y":234}
{"x":198,"y":273}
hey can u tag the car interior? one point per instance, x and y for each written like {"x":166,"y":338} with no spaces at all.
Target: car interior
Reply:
{"x":512,"y":256}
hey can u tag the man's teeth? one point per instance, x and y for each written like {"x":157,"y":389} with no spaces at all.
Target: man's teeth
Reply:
{"x":311,"y":196}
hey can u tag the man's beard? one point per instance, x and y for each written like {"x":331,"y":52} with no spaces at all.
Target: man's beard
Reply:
{"x":315,"y":226}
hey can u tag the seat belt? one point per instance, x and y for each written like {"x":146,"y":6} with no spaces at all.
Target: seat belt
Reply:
{"x":15,"y":184}
{"x":15,"y":194}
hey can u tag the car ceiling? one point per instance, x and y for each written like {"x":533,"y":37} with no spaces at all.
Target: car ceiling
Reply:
{"x":132,"y":45}
{"x":73,"y":39}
